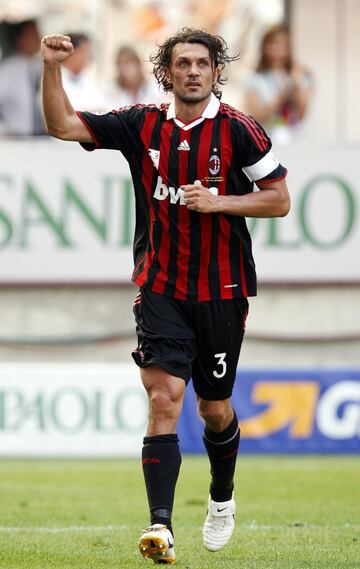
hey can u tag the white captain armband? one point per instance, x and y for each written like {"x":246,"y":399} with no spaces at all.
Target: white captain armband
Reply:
{"x":262,"y":168}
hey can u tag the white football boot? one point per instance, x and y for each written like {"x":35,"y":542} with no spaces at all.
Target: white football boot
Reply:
{"x":157,"y":543}
{"x":219,"y":524}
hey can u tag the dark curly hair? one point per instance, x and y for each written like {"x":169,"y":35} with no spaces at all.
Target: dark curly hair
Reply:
{"x":218,"y":51}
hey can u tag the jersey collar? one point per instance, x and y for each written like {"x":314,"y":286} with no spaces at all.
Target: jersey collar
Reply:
{"x":209,"y":113}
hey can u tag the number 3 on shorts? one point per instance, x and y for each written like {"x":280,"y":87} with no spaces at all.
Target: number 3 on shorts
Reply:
{"x":221,"y":362}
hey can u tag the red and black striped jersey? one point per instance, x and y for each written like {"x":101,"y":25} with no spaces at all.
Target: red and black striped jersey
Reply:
{"x":178,"y":252}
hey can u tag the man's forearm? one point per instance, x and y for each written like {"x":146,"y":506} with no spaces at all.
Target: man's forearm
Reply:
{"x":267,"y":203}
{"x":56,"y":105}
{"x":272,"y":201}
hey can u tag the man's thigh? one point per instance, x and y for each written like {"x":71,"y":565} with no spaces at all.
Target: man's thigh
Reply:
{"x":220,"y":327}
{"x":165,"y":336}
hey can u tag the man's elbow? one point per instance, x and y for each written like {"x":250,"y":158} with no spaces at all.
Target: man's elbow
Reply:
{"x":57,"y":132}
{"x":284,"y":207}
{"x":51,"y":131}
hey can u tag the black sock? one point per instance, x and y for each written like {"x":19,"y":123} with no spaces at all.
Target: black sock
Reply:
{"x":161,"y":461}
{"x":222,"y":449}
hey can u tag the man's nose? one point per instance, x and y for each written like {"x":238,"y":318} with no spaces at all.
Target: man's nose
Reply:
{"x":194,"y":70}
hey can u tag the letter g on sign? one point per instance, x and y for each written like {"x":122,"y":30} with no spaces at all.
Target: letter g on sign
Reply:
{"x":345,"y":394}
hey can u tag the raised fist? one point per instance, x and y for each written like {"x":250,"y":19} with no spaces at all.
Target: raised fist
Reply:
{"x":56,"y":48}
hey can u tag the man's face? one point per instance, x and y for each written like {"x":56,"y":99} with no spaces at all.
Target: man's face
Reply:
{"x":192,"y":73}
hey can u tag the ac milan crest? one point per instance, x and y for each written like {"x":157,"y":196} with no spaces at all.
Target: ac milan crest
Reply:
{"x":214,"y":165}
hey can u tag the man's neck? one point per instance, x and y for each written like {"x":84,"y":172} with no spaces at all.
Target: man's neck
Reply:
{"x":188,"y":112}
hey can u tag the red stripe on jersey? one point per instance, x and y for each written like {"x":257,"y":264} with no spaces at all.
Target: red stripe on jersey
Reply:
{"x":183,"y":224}
{"x":146,"y":178}
{"x":205,"y":219}
{"x":164,"y":249}
{"x":135,"y":106}
{"x":224,"y":259}
{"x":225,"y":277}
{"x":137,"y":267}
{"x":256,"y":133}
{"x":242,"y":273}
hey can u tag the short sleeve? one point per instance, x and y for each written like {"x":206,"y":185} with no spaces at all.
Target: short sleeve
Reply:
{"x":116,"y":130}
{"x":257,"y":158}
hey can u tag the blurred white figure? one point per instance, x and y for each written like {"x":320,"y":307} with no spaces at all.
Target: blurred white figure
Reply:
{"x":278,"y":93}
{"x":20,"y":109}
{"x":83,"y":93}
{"x":130,"y":85}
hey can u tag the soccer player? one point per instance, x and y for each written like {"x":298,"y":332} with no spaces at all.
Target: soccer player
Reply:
{"x":193,"y":164}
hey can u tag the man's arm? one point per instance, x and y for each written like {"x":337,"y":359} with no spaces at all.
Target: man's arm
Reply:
{"x":272,"y":201}
{"x":60,"y":117}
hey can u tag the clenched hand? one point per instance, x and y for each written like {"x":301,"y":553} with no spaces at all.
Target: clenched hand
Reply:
{"x":199,"y":198}
{"x":56,"y":48}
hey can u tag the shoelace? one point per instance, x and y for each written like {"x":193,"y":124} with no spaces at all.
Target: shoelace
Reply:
{"x":220,"y":522}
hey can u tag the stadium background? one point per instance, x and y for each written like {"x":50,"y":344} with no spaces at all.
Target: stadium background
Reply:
{"x":67,"y":387}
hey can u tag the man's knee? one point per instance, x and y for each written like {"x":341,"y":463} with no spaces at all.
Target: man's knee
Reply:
{"x":164,"y":404}
{"x":165,"y":392}
{"x":216,"y":414}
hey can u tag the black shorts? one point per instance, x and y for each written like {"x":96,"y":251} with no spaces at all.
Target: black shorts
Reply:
{"x":198,"y":340}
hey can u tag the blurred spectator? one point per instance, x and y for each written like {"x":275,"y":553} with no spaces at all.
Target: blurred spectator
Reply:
{"x":131,"y":85}
{"x":20,"y":72}
{"x":83,"y":93}
{"x":278,"y":93}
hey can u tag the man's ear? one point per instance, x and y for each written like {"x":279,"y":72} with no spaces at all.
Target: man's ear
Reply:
{"x":217,"y":74}
{"x":168,"y":75}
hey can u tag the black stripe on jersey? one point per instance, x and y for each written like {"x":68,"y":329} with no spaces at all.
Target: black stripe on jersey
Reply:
{"x":239,"y":235}
{"x":141,"y":208}
{"x":173,"y":180}
{"x":195,"y":228}
{"x":238,"y":228}
{"x":141,"y":222}
{"x":235,"y":174}
{"x":213,"y":273}
{"x":155,"y":267}
{"x":237,"y":224}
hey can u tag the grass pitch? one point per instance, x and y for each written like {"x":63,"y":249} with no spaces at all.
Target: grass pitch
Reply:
{"x":293,"y":512}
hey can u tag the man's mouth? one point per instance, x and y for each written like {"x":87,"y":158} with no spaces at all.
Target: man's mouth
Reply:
{"x":192,"y":84}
